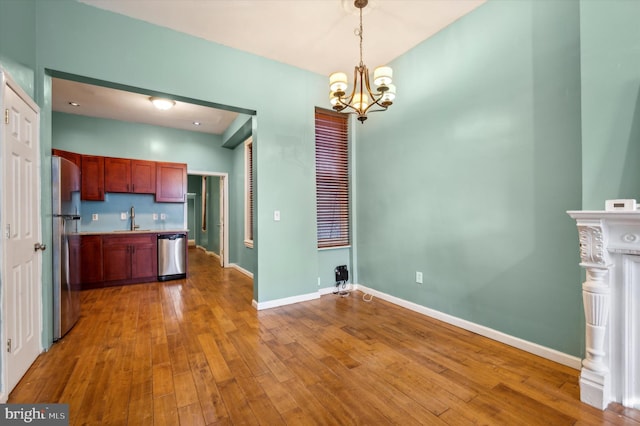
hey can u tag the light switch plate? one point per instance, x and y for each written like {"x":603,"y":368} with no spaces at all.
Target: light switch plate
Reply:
{"x":276,"y":215}
{"x":163,"y":216}
{"x":155,"y":216}
{"x":123,"y":216}
{"x":94,"y":216}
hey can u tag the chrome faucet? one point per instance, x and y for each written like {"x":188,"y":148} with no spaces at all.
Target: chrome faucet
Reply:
{"x":133,"y":219}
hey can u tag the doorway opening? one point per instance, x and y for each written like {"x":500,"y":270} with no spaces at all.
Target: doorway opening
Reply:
{"x":209,"y":212}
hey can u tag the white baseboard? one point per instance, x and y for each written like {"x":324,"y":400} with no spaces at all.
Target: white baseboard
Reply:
{"x":209,"y":253}
{"x":240,"y":269}
{"x":330,"y":290}
{"x":534,"y":348}
{"x":298,"y":299}
{"x":286,"y":301}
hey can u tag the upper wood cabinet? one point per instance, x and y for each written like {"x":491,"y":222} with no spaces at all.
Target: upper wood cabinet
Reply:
{"x":117,"y":174}
{"x":92,"y":178}
{"x":125,"y":175}
{"x":168,"y":181}
{"x":143,"y":177}
{"x":75,"y":158}
{"x":72,"y":183}
{"x":171,"y":183}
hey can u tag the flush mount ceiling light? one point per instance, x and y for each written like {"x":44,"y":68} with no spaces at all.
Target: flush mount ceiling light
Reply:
{"x":362,"y":98}
{"x":74,"y":104}
{"x":162,"y":103}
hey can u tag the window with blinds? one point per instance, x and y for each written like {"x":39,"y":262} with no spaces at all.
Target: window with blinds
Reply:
{"x":248,"y":193}
{"x":332,"y":178}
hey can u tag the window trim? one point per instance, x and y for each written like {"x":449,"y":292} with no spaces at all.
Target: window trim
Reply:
{"x":249,"y":207}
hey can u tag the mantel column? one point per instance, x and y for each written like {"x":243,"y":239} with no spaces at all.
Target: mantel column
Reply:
{"x":595,"y":380}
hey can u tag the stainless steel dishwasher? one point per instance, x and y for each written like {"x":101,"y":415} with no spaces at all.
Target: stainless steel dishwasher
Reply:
{"x":172,"y":257}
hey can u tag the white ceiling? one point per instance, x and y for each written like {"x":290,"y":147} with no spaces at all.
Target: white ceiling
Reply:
{"x":104,"y":102}
{"x":315,"y":35}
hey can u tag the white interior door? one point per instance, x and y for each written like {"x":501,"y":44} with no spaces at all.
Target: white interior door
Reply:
{"x":21,"y":262}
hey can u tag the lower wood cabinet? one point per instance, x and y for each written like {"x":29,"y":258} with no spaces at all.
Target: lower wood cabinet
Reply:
{"x":90,"y":247}
{"x":130,"y":258}
{"x":108,"y":260}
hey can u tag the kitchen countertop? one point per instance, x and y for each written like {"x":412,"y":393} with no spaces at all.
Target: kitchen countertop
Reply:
{"x":137,"y":231}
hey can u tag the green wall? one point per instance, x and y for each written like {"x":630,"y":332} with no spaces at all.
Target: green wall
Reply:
{"x":159,"y":59}
{"x":18,"y":41}
{"x":194,"y":186}
{"x":468,"y":176}
{"x":610,"y":58}
{"x":113,"y":138}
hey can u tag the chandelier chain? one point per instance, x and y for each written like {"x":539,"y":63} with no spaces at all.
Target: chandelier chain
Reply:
{"x":360,"y":34}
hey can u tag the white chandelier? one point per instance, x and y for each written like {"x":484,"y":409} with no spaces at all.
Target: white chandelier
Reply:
{"x":362,"y":98}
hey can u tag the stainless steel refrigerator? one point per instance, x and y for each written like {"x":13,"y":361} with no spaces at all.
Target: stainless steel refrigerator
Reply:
{"x":65,"y":192}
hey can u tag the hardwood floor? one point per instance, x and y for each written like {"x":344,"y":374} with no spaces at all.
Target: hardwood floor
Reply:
{"x":194,"y":352}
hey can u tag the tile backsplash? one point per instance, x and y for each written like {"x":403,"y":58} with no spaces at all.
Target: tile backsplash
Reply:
{"x":108,"y":213}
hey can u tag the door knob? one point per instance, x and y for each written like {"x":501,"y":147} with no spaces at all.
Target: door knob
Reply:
{"x":38,"y":246}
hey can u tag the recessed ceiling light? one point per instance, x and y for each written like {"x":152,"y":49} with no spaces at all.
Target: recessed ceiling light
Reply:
{"x":196,"y":123}
{"x":162,"y":103}
{"x":74,"y":104}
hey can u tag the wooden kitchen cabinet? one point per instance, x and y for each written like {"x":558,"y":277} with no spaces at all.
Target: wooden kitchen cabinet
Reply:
{"x":74,"y":157}
{"x":117,"y":174}
{"x":171,"y":183}
{"x":88,"y":248}
{"x":131,"y":176}
{"x":144,"y":258}
{"x":75,"y":262}
{"x":143,"y":177}
{"x":74,"y":184}
{"x":92,"y":178}
{"x":129,"y":259}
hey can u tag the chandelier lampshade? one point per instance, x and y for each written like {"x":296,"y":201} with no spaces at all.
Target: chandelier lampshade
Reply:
{"x":362,"y":97}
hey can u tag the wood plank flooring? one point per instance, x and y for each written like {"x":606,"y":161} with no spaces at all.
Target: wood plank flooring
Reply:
{"x":194,"y":352}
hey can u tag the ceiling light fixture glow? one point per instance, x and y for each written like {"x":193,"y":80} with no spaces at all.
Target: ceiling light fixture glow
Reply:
{"x":362,"y":98}
{"x":196,"y":123}
{"x":74,"y":104}
{"x":162,"y":103}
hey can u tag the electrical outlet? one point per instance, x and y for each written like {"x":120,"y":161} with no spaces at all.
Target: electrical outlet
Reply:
{"x":155,"y":216}
{"x":419,"y":277}
{"x":123,"y":216}
{"x":276,"y":215}
{"x":94,"y":216}
{"x":163,"y":216}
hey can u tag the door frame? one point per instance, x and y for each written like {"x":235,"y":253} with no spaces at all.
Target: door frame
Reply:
{"x":7,"y":81}
{"x":224,"y":199}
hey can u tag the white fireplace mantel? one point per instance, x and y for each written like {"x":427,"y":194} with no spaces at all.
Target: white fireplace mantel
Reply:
{"x":610,"y":254}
